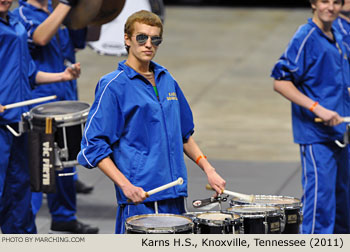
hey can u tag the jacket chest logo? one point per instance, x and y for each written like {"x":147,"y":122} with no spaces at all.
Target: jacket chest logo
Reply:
{"x":172,"y":96}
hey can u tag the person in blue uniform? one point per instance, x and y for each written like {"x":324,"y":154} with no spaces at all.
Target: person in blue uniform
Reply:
{"x":342,"y":23}
{"x":52,"y":46}
{"x":139,"y":126}
{"x":313,"y":73}
{"x":18,"y":76}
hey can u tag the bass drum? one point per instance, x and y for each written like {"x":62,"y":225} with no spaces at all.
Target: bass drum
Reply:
{"x":92,"y":12}
{"x":111,"y":41}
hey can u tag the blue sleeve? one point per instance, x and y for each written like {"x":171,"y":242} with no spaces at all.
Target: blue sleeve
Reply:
{"x":78,"y":37}
{"x":32,"y":72}
{"x":29,"y":23}
{"x":187,"y":125}
{"x":292,"y":64}
{"x":103,"y":128}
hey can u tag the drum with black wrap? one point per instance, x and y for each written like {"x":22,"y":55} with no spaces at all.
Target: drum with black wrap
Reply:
{"x":290,"y":206}
{"x":56,"y":146}
{"x":214,"y":222}
{"x":158,"y":224}
{"x":256,"y":219}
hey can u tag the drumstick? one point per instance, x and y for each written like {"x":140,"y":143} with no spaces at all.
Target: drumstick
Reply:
{"x":245,"y":197}
{"x":29,"y":102}
{"x":345,"y":119}
{"x":179,"y":181}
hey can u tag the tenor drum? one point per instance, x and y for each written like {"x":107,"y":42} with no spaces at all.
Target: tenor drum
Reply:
{"x":158,"y":224}
{"x":216,"y":223}
{"x":290,"y":206}
{"x":258,"y":219}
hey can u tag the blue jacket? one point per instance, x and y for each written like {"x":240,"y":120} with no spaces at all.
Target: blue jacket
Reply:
{"x":143,"y":136}
{"x":319,"y":68}
{"x":343,"y":26}
{"x":51,"y":57}
{"x":18,"y":70}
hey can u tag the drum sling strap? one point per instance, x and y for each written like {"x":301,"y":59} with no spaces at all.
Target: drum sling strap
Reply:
{"x":42,"y":158}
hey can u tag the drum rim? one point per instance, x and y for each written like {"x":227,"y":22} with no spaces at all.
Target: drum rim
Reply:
{"x":211,"y":222}
{"x":183,"y":227}
{"x":296,"y":204}
{"x":63,"y":117}
{"x":274,"y":211}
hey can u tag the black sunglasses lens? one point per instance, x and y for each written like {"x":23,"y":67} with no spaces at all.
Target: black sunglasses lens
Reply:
{"x":156,"y":40}
{"x":141,"y":39}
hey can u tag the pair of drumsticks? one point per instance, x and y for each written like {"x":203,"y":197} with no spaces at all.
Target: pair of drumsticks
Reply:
{"x":179,"y":181}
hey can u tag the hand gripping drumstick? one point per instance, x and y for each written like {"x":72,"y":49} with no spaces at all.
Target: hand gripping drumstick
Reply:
{"x":179,"y":181}
{"x":29,"y":102}
{"x":345,"y":119}
{"x":245,"y":197}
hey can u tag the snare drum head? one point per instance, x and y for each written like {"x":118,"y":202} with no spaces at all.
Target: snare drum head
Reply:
{"x":254,"y":210}
{"x":61,"y":110}
{"x":270,"y":200}
{"x":158,"y":223}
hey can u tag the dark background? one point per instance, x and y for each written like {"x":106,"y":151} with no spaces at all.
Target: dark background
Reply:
{"x":260,"y":3}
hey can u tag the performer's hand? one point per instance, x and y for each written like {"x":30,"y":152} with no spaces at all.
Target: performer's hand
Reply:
{"x":216,"y":182}
{"x":134,"y":193}
{"x":71,"y":3}
{"x":2,"y":109}
{"x":72,"y":72}
{"x":329,"y":117}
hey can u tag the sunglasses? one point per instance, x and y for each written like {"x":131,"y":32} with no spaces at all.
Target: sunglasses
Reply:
{"x":142,"y":39}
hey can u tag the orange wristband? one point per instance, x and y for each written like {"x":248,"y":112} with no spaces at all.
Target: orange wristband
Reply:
{"x":199,"y":158}
{"x":313,"y":106}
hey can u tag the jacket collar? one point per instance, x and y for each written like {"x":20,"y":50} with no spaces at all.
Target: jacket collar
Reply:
{"x":131,"y":73}
{"x":312,"y":23}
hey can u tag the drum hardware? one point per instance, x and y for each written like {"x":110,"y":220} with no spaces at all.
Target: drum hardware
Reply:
{"x":246,"y":197}
{"x":209,"y":203}
{"x":346,"y":136}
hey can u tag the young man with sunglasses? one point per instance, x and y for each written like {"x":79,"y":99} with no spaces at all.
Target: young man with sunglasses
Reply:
{"x":139,"y":126}
{"x":313,"y":73}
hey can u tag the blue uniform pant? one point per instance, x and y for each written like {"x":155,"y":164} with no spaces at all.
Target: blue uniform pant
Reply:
{"x":16,"y":215}
{"x":325,"y":180}
{"x":171,"y":206}
{"x":62,"y":204}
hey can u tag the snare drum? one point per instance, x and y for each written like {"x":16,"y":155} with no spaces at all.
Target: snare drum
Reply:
{"x":54,"y":133}
{"x":158,"y":224}
{"x":258,"y":219}
{"x":216,"y":223}
{"x":291,"y":209}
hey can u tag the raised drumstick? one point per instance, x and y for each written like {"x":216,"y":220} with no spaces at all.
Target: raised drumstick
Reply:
{"x":29,"y":102}
{"x":245,"y":197}
{"x":179,"y":181}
